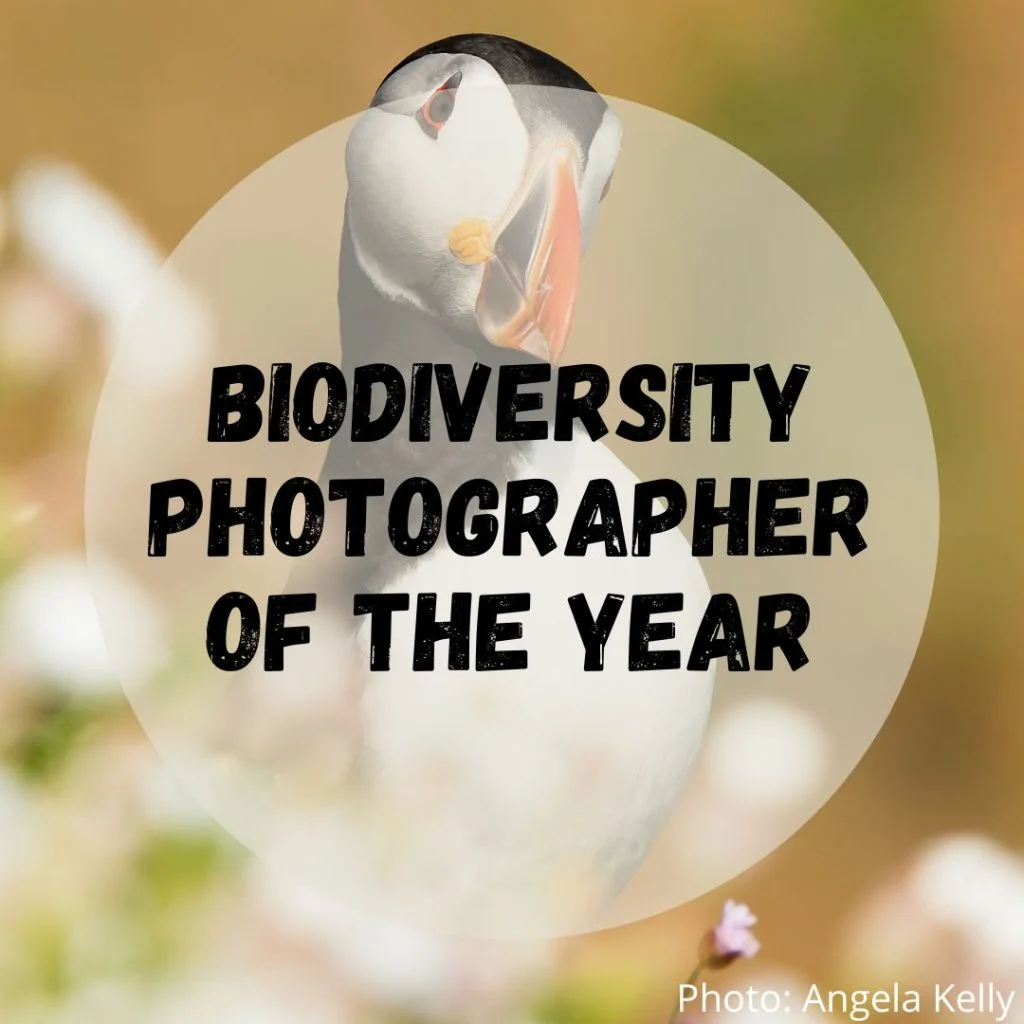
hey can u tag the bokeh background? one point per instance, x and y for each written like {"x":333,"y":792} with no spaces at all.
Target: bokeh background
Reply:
{"x":122,"y":123}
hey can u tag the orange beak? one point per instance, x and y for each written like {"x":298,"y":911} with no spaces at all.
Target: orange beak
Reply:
{"x":528,"y":294}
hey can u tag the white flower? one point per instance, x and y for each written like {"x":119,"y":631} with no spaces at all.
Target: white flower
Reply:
{"x":89,"y":243}
{"x":395,"y":964}
{"x":389,"y":961}
{"x":972,"y":884}
{"x":766,"y":754}
{"x":228,"y":994}
{"x":83,"y":237}
{"x":50,"y":629}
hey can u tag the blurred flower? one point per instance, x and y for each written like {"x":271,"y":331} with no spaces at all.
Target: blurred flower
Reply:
{"x":764,"y":766}
{"x":732,"y":937}
{"x":50,"y":630}
{"x":955,"y":914}
{"x":729,"y":940}
{"x":216,"y":993}
{"x":88,"y":242}
{"x":82,"y":236}
{"x":971,"y":883}
{"x":225,"y":995}
{"x":394,"y":964}
{"x":766,"y":753}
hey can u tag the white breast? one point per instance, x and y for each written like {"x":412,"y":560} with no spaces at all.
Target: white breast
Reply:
{"x":532,"y":782}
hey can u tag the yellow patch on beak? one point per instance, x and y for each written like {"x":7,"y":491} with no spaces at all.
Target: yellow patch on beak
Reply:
{"x":470,"y":240}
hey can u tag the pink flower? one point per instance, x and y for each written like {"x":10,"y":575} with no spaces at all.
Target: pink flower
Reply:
{"x":732,"y":937}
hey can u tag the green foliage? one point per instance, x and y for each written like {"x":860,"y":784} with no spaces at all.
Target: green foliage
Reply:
{"x":43,"y":749}
{"x":596,"y":998}
{"x":171,"y":866}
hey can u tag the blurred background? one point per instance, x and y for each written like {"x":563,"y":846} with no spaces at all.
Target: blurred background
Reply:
{"x":122,"y":123}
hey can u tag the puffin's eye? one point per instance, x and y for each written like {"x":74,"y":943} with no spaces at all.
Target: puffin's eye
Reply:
{"x":434,"y":114}
{"x":607,"y":186}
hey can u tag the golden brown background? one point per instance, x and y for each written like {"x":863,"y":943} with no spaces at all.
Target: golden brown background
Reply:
{"x":901,"y":123}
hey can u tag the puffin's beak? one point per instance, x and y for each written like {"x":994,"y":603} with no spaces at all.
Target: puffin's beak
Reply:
{"x":528,"y":293}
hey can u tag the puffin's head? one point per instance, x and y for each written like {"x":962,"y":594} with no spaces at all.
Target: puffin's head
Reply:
{"x":473,"y":184}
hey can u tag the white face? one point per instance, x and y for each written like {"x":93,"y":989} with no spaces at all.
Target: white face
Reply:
{"x":443,"y":165}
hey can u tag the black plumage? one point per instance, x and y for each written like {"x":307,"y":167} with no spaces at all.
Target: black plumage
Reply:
{"x":518,"y":63}
{"x":543,"y":87}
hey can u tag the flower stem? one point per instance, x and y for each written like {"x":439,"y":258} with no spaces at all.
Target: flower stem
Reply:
{"x":692,"y":980}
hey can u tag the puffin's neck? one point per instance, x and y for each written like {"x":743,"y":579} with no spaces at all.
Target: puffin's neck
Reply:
{"x":377,"y":329}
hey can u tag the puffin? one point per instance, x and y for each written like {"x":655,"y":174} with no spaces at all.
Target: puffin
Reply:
{"x":505,"y":800}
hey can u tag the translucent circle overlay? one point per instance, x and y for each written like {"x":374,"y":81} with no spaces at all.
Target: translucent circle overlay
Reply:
{"x":545,"y":801}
